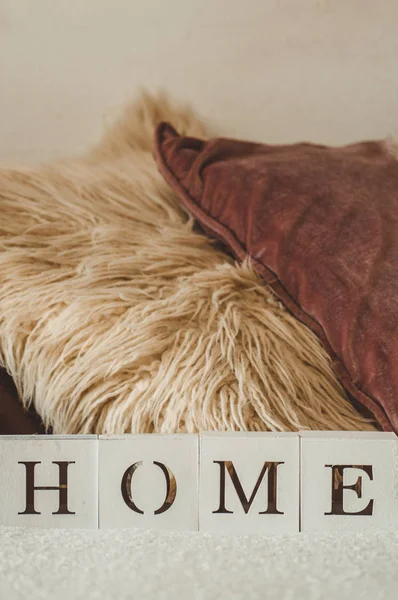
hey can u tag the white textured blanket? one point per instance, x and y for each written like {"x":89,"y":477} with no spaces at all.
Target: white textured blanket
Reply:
{"x":40,"y":564}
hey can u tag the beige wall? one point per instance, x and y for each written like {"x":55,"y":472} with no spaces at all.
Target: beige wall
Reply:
{"x":272,"y":70}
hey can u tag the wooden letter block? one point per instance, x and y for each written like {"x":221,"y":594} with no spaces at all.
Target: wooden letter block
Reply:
{"x":349,"y":481}
{"x":149,"y":481}
{"x":249,"y":483}
{"x":49,"y":481}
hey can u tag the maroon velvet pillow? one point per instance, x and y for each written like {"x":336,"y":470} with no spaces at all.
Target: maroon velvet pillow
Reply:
{"x":321,"y":226}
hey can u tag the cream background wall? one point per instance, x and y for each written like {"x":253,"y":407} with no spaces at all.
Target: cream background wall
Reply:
{"x":271,"y":70}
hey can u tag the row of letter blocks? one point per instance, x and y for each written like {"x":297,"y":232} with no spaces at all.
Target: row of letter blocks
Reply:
{"x":217,"y":482}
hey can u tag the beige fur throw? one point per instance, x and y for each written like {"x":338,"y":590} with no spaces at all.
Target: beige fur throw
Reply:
{"x":116,"y":315}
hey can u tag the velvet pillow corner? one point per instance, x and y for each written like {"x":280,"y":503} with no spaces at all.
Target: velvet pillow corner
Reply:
{"x":320,"y":224}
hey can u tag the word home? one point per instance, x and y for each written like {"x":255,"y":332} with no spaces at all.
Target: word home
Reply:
{"x":218,"y":482}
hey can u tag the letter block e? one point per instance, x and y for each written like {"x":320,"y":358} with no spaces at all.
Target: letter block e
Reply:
{"x":348,"y":481}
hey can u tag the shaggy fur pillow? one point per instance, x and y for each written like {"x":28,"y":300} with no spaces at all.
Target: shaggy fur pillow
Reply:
{"x":116,"y":315}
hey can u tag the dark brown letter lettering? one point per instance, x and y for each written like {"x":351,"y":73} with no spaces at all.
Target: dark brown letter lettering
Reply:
{"x":31,"y":488}
{"x":171,"y":488}
{"x":270,"y":467}
{"x":338,"y":489}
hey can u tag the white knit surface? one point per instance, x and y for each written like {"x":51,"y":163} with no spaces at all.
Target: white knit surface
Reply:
{"x":66,"y":564}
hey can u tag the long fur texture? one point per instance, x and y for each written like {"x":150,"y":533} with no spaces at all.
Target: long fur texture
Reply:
{"x":117,"y":316}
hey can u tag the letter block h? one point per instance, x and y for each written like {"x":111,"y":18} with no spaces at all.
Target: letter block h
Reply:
{"x":49,"y":481}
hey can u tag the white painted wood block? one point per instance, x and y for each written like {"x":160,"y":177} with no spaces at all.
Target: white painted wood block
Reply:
{"x":49,"y":481}
{"x":249,"y":482}
{"x":349,"y":481}
{"x":149,"y":481}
